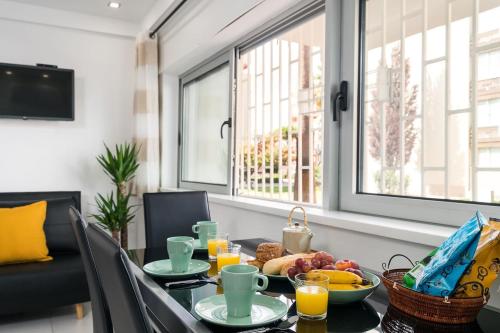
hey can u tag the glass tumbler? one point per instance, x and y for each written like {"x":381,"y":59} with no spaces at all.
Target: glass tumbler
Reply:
{"x":215,"y":240}
{"x":311,"y":295}
{"x":229,"y":255}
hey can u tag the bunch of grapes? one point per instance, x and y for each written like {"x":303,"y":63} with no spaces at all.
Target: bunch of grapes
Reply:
{"x":321,"y":260}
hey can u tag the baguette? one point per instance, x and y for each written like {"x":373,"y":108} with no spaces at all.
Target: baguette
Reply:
{"x":274,"y":266}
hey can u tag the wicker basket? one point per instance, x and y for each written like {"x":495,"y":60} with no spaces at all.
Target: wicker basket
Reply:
{"x":436,"y":309}
{"x":395,"y":321}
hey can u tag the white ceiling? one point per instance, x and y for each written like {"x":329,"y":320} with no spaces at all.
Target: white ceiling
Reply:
{"x":130,"y":10}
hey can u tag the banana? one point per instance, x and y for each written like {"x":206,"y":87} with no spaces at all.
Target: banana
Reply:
{"x":345,"y":286}
{"x":340,"y":277}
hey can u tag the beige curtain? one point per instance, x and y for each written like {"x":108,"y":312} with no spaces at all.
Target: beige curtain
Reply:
{"x":146,"y":115}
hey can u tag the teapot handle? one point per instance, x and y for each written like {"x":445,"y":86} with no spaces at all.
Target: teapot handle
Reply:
{"x":291,"y":214}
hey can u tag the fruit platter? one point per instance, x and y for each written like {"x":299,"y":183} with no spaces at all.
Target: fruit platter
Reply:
{"x":347,"y":283}
{"x":273,"y":261}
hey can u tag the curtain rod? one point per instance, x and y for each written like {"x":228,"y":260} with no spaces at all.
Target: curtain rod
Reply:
{"x":169,"y":15}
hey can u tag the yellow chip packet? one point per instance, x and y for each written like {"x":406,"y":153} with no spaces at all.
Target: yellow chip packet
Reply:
{"x":483,"y":270}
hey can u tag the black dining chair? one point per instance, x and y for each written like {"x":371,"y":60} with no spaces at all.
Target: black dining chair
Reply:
{"x":169,"y":214}
{"x":127,"y":308}
{"x":100,"y":311}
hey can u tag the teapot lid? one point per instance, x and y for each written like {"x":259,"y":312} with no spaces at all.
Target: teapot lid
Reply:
{"x":296,"y":227}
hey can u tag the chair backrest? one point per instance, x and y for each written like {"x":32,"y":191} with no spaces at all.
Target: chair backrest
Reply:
{"x":169,"y":214}
{"x":128,"y":312}
{"x":57,"y":227}
{"x":100,"y":311}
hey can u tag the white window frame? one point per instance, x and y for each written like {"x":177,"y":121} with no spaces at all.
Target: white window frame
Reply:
{"x":447,"y":212}
{"x":225,"y":57}
{"x":288,"y":20}
{"x":331,"y":80}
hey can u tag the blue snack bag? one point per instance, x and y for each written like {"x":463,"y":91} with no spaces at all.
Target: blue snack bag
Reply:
{"x":453,"y":256}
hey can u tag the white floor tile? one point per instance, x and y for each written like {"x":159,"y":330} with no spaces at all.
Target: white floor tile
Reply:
{"x":59,"y":320}
{"x":25,"y":324}
{"x":68,"y":323}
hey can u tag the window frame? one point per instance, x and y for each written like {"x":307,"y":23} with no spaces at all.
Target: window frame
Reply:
{"x":439,"y":211}
{"x":294,"y":15}
{"x":287,"y":21}
{"x":225,"y":57}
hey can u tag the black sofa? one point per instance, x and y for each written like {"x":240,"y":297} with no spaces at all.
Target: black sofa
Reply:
{"x":40,"y":285}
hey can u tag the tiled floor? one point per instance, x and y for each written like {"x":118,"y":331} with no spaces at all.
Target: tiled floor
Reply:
{"x":60,"y":320}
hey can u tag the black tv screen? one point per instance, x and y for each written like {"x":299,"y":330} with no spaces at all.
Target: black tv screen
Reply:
{"x":36,"y":92}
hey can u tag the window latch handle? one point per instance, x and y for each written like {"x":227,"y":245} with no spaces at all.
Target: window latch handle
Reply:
{"x":229,"y":123}
{"x":341,"y":99}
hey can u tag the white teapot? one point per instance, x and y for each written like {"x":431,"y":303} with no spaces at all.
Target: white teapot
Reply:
{"x":297,"y":238}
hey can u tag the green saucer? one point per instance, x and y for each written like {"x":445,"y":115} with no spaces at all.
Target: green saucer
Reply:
{"x":265,"y":310}
{"x":197,"y":246}
{"x":163,"y":268}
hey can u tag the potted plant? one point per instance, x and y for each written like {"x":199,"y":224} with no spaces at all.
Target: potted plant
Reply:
{"x":114,"y":211}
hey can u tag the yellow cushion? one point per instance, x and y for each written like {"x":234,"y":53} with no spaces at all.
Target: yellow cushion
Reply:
{"x":22,"y":238}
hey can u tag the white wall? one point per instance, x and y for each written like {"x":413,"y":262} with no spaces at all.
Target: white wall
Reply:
{"x":370,"y":251}
{"x":56,"y":155}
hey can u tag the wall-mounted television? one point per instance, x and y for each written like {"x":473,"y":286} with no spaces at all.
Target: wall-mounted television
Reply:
{"x":36,"y":92}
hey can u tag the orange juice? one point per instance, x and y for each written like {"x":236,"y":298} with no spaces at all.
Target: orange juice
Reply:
{"x":228,"y":258}
{"x":213,"y":244}
{"x":312,"y":300}
{"x":213,"y":269}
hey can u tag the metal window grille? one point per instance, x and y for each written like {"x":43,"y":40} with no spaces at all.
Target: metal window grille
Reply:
{"x":451,"y":133}
{"x":279,"y":116}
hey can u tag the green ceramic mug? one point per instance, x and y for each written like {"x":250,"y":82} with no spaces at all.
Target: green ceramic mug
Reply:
{"x":180,"y":251}
{"x":203,"y":228}
{"x":240,"y":282}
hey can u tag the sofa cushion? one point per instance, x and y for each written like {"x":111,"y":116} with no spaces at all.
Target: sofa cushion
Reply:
{"x":22,"y":238}
{"x":30,"y":286}
{"x":57,"y":225}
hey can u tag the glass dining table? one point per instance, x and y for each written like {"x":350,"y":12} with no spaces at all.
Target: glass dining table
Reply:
{"x":172,"y":310}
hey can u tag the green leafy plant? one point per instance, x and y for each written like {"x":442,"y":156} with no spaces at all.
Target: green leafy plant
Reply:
{"x":115,"y":211}
{"x":120,"y":166}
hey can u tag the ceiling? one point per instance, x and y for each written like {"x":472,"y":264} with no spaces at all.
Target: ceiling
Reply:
{"x":130,"y":10}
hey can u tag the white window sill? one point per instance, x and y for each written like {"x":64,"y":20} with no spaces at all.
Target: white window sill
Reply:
{"x":409,"y":231}
{"x":404,"y":230}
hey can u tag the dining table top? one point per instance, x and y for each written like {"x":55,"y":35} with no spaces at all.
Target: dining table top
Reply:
{"x":172,"y":310}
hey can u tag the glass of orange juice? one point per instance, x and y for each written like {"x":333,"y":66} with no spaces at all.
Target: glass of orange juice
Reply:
{"x":311,"y":295}
{"x":228,"y":255}
{"x":215,"y":240}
